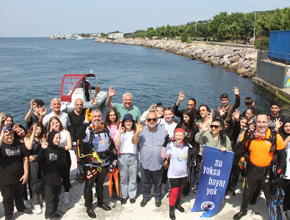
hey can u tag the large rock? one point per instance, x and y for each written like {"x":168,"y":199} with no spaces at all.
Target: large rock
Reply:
{"x":243,"y":72}
{"x":252,"y":56}
{"x":235,"y":58}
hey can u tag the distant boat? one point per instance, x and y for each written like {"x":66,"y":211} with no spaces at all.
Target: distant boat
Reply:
{"x":73,"y":87}
{"x":79,"y":38}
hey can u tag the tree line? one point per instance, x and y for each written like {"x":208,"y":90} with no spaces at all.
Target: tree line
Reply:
{"x":236,"y":26}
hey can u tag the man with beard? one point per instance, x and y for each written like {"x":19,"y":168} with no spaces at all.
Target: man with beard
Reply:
{"x":260,"y":155}
{"x":151,"y":140}
{"x":96,"y":149}
{"x":124,"y":108}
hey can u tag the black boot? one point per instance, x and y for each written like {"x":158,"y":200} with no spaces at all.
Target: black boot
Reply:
{"x":178,"y":206}
{"x":240,"y":214}
{"x":171,"y":213}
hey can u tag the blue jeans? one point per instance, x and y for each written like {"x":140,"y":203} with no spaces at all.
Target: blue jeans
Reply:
{"x":128,"y":164}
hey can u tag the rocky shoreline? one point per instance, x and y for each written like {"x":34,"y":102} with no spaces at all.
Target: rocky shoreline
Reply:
{"x":236,"y":58}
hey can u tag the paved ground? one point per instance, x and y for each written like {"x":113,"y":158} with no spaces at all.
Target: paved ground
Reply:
{"x":75,"y":210}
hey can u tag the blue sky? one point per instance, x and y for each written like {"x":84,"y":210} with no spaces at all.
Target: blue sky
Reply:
{"x":35,"y":18}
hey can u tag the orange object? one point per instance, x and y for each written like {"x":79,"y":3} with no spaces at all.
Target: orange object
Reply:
{"x":114,"y":175}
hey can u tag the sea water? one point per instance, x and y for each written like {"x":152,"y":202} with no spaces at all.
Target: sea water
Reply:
{"x":33,"y":68}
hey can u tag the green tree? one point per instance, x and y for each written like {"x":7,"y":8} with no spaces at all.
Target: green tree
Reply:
{"x":285,"y":21}
{"x":151,"y":32}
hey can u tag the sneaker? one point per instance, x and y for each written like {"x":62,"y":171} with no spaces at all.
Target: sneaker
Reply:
{"x":132,"y":201}
{"x":37,"y":209}
{"x":43,"y":204}
{"x":66,"y":198}
{"x":28,"y":204}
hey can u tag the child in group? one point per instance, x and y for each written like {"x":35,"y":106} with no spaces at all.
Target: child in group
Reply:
{"x":53,"y":159}
{"x":32,"y":140}
{"x":128,"y":159}
{"x":179,"y":156}
{"x":39,"y":109}
{"x":66,"y":144}
{"x":158,"y":109}
{"x":250,"y":115}
{"x":112,"y":121}
{"x":169,"y":124}
{"x":6,"y":120}
{"x":168,"y":121}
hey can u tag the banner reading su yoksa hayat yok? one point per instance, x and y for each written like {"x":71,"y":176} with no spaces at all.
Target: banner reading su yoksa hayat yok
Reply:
{"x":214,"y":177}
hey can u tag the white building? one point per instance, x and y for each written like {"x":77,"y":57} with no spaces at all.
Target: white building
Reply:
{"x":115,"y":35}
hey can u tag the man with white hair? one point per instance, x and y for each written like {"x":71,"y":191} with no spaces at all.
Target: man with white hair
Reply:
{"x":123,"y":108}
{"x":63,"y":117}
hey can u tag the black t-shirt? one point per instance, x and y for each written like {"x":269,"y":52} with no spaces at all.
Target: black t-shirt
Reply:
{"x":76,"y":122}
{"x":273,"y":119}
{"x":11,"y":162}
{"x":33,"y":119}
{"x":52,"y":161}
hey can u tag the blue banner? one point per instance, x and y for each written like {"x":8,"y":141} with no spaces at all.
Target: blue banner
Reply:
{"x":214,"y":177}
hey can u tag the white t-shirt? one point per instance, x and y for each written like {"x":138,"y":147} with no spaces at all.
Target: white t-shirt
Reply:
{"x":63,"y":138}
{"x":170,"y":127}
{"x":178,"y":160}
{"x":63,"y":117}
{"x":126,"y":146}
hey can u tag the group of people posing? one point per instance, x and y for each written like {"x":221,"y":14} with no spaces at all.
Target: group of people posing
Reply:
{"x":35,"y":159}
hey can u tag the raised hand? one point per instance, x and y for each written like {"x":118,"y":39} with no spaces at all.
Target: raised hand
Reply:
{"x":181,"y":96}
{"x":94,"y":101}
{"x":121,"y":128}
{"x":278,"y":124}
{"x":32,"y":104}
{"x":152,"y":107}
{"x":2,"y":116}
{"x":43,"y":111}
{"x":139,"y":127}
{"x":236,"y":91}
{"x":222,"y":112}
{"x":236,"y":115}
{"x":44,"y":144}
{"x":112,"y":91}
{"x":15,"y":127}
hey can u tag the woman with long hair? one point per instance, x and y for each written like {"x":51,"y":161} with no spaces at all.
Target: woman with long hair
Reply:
{"x":112,"y":121}
{"x":32,"y":141}
{"x":66,"y":143}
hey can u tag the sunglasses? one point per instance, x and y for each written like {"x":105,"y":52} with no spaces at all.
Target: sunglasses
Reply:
{"x":214,"y":126}
{"x":152,"y":119}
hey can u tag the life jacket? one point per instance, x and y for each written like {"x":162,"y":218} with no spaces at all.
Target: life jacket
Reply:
{"x":87,"y":150}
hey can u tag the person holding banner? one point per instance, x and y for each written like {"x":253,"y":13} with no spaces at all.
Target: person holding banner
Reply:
{"x":260,"y":147}
{"x":215,"y":137}
{"x":179,"y":154}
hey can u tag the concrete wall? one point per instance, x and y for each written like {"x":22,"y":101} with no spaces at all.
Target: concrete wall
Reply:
{"x":271,"y":72}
